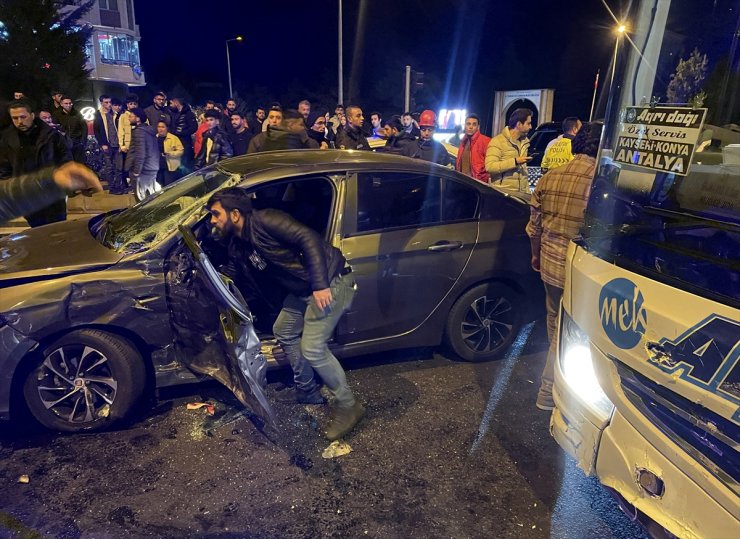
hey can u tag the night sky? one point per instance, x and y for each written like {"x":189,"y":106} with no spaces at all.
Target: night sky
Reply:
{"x":467,"y":49}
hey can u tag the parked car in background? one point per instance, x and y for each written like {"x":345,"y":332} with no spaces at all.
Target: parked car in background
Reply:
{"x":96,"y":312}
{"x":541,"y":137}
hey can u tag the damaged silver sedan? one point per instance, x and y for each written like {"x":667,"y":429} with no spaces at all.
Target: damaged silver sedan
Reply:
{"x":96,"y":313}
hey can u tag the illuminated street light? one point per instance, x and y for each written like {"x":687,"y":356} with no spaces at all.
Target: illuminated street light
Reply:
{"x":228,"y":61}
{"x":621,"y":29}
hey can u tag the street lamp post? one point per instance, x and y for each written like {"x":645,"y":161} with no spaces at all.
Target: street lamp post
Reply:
{"x":340,"y":90}
{"x":620,"y":32}
{"x":228,"y":62}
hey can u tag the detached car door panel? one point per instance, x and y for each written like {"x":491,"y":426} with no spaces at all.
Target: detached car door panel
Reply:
{"x":212,"y":325}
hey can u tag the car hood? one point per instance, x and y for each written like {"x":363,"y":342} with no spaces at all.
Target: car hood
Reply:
{"x":50,"y":251}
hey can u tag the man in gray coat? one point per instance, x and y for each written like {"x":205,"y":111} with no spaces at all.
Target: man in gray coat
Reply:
{"x":143,"y":155}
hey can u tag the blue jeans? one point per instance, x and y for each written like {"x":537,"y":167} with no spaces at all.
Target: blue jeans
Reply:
{"x":303,"y":332}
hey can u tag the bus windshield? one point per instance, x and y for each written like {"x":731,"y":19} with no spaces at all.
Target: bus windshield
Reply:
{"x":665,"y":201}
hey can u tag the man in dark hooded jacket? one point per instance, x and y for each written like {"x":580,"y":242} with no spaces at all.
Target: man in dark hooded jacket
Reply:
{"x":289,"y":135}
{"x":142,"y":159}
{"x":316,"y":129}
{"x":29,"y":145}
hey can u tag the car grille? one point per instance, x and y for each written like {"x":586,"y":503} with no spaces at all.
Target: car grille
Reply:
{"x":708,"y":437}
{"x":533,"y":175}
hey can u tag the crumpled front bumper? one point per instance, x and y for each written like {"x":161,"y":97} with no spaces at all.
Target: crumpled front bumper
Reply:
{"x":575,"y":428}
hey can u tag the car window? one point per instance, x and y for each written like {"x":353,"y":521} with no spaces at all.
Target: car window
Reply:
{"x":309,"y":200}
{"x":396,"y":199}
{"x":459,"y":201}
{"x":152,"y":219}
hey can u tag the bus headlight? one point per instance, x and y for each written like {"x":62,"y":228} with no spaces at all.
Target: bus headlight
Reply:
{"x":577,"y":366}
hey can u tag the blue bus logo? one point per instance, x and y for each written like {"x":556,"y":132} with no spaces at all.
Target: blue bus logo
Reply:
{"x":622,"y":313}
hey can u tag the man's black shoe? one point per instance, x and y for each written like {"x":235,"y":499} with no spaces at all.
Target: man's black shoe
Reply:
{"x":343,"y":420}
{"x":298,"y":396}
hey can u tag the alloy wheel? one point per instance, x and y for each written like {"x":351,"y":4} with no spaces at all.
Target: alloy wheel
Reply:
{"x":76,"y":383}
{"x":487,"y":323}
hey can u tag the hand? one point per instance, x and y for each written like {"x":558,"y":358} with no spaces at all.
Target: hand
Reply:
{"x":522,"y":159}
{"x":536,"y":263}
{"x":73,"y":177}
{"x":124,"y":149}
{"x":104,"y":148}
{"x":322,"y":298}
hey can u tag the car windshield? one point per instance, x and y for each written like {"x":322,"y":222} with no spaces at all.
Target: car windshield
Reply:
{"x":665,"y":202}
{"x":154,"y":218}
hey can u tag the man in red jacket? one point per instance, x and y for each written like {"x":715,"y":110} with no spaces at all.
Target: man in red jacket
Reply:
{"x":471,"y":156}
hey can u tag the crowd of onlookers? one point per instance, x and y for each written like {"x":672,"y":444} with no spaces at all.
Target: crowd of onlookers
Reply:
{"x":141,"y":148}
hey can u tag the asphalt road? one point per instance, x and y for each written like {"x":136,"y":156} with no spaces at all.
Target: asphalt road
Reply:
{"x":448,"y":449}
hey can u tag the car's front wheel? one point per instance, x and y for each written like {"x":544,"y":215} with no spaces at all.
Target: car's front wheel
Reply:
{"x":483,"y":322}
{"x":86,"y":380}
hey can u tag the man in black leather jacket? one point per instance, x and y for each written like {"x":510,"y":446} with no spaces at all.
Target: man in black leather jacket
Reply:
{"x":277,"y":250}
{"x":216,"y":146}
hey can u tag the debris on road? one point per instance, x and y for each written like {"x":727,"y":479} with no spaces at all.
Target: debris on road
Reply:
{"x":336,"y":449}
{"x":210,"y":408}
{"x":24,"y":479}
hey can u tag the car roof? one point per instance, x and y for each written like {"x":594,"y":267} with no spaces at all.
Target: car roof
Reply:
{"x":295,"y":162}
{"x":326,"y":160}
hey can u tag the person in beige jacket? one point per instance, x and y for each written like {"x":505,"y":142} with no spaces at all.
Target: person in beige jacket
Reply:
{"x":171,"y":150}
{"x":506,"y":155}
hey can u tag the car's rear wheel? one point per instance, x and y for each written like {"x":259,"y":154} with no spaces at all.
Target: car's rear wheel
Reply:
{"x":86,"y":380}
{"x":483,"y":322}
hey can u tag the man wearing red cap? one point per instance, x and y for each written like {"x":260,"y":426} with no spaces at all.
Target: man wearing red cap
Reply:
{"x":426,"y":147}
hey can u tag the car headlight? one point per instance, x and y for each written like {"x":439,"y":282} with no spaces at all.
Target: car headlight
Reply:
{"x":577,"y":366}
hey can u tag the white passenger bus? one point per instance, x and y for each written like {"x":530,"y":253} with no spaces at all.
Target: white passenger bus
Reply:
{"x":647,"y":382}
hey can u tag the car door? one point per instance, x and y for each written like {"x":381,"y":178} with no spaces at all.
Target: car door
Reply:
{"x":408,"y":237}
{"x":214,"y":333}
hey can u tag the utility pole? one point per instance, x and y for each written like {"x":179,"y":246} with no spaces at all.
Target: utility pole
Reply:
{"x":341,"y":58}
{"x":407,"y":90}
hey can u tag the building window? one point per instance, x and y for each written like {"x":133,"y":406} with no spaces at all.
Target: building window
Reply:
{"x":109,"y":15}
{"x":130,"y":12}
{"x":119,"y":49}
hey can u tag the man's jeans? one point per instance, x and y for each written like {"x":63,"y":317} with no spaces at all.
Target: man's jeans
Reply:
{"x":146,"y":184}
{"x":310,"y":352}
{"x":108,"y":172}
{"x":553,"y":295}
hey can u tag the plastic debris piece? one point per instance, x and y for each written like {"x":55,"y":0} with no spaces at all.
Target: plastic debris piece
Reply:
{"x":24,"y":479}
{"x":210,"y":408}
{"x":336,"y":449}
{"x":104,"y":411}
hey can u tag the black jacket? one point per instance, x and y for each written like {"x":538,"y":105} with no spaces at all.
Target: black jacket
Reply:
{"x":28,"y":193}
{"x":396,"y":145}
{"x":16,"y":158}
{"x":73,"y":124}
{"x":351,"y":138}
{"x":184,"y":125}
{"x":143,"y":154}
{"x":430,"y":150}
{"x":155,"y":114}
{"x":277,"y":138}
{"x":240,"y":141}
{"x":291,"y":253}
{"x":318,"y":137}
{"x":101,"y":135}
{"x":220,"y":150}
